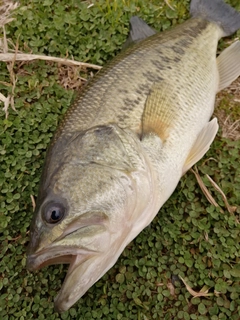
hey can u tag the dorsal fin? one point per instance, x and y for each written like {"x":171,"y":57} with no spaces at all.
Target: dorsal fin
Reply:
{"x":139,"y":30}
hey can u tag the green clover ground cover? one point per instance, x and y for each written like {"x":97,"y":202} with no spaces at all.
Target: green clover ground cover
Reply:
{"x":189,"y":238}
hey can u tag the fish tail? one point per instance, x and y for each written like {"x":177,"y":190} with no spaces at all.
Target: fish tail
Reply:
{"x":217,"y":11}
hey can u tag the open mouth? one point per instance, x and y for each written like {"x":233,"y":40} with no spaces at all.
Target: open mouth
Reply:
{"x":74,"y":245}
{"x":85,"y":268}
{"x":51,"y":256}
{"x":85,"y":250}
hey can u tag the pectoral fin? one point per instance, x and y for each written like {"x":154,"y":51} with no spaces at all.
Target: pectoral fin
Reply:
{"x":159,"y":112}
{"x":139,"y":30}
{"x":202,"y":144}
{"x":229,"y":65}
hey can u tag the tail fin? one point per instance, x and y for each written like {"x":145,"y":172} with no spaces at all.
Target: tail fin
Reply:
{"x":218,"y":11}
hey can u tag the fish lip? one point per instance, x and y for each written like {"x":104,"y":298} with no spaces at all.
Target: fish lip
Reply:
{"x":50,"y":256}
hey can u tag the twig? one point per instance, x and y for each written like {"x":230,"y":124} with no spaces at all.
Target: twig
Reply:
{"x":8,"y":57}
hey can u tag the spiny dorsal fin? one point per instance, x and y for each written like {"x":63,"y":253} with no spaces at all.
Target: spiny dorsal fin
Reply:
{"x":228,"y":63}
{"x":139,"y":30}
{"x":202,"y":144}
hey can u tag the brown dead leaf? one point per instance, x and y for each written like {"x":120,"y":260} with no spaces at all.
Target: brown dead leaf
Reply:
{"x":227,"y":120}
{"x":69,"y":76}
{"x":171,"y":289}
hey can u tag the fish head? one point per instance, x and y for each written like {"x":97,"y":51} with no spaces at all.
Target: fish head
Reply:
{"x":87,"y":207}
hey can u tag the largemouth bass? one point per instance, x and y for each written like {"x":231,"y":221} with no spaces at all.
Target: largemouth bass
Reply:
{"x":123,"y":146}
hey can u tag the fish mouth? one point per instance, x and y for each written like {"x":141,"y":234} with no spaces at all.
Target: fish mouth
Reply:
{"x":51,"y":256}
{"x":78,"y":239}
{"x":75,"y":259}
{"x":59,"y":253}
{"x":84,"y":259}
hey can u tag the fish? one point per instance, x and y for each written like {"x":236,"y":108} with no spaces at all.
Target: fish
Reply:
{"x":137,"y":127}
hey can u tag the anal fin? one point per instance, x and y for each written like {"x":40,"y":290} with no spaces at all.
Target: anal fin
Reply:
{"x":229,"y":65}
{"x":202,"y":144}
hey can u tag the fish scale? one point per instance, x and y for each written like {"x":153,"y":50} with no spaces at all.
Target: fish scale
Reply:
{"x":115,"y":93}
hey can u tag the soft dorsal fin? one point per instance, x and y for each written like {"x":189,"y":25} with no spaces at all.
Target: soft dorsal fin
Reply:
{"x":229,"y":65}
{"x":139,"y":30}
{"x":202,"y":144}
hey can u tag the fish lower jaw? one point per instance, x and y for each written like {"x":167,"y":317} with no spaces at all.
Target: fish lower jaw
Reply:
{"x":80,"y":277}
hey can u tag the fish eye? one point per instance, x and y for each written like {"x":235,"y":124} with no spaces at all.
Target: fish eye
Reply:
{"x":53,"y":212}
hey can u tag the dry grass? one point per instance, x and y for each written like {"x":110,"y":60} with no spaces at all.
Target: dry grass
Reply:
{"x":207,"y":193}
{"x":6,"y":9}
{"x":229,"y":119}
{"x":202,"y":293}
{"x":70,"y":76}
{"x":169,"y":5}
{"x":69,"y":70}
